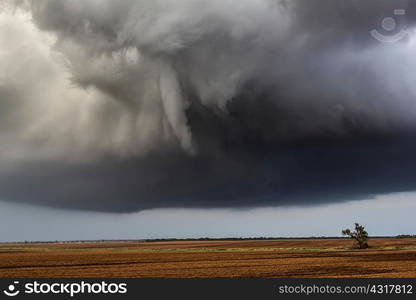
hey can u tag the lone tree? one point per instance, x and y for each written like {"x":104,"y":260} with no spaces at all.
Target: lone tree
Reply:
{"x":359,"y":235}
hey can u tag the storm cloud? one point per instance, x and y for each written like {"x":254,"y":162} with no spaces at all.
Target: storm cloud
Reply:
{"x":137,"y":104}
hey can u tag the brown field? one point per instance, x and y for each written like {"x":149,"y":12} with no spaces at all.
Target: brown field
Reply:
{"x":388,"y":257}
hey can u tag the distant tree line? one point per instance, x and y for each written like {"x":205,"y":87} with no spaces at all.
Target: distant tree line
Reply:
{"x":406,"y":236}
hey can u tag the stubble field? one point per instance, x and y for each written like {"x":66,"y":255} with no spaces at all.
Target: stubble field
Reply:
{"x":388,"y":257}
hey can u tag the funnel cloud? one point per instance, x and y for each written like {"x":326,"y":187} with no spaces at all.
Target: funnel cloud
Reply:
{"x":137,"y":104}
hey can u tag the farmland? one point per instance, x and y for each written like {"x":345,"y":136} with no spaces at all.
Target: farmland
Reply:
{"x":387,"y":257}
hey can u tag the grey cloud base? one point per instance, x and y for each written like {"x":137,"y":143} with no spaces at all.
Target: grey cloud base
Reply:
{"x":146,"y":104}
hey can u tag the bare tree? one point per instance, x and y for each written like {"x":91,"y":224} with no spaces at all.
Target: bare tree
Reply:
{"x":359,"y":235}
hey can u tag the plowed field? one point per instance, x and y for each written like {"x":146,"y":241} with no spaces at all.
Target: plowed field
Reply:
{"x":387,"y":257}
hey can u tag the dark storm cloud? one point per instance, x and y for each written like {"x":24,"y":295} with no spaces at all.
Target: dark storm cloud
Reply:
{"x":205,"y":103}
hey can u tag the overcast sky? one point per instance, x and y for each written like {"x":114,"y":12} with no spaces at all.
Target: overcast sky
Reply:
{"x":383,"y":215}
{"x":166,"y":118}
